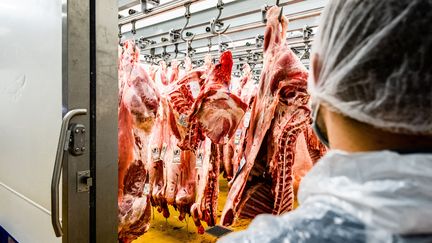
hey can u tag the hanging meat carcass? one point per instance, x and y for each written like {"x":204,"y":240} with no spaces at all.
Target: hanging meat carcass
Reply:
{"x":172,"y":161}
{"x":274,"y":154}
{"x":182,"y":95}
{"x":208,"y":161}
{"x":174,"y":71}
{"x":217,"y":111}
{"x":246,"y":90}
{"x":181,"y":99}
{"x":181,"y":183}
{"x":137,"y":112}
{"x":164,"y":171}
{"x":158,"y":147}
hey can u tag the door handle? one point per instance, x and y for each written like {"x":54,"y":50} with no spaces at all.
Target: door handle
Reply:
{"x":63,"y":144}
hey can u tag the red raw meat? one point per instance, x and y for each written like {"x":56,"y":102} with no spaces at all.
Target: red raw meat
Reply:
{"x":185,"y":196}
{"x":137,"y":113}
{"x":216,"y":109}
{"x":205,"y":206}
{"x":175,"y":71}
{"x":232,"y":149}
{"x":279,"y":118}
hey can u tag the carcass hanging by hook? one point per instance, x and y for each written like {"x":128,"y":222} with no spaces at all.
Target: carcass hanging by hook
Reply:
{"x":264,"y":10}
{"x":216,"y":21}
{"x":281,"y":12}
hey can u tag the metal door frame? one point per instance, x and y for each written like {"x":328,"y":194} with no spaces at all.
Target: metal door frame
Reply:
{"x":75,"y":71}
{"x":89,"y":68}
{"x":104,"y":103}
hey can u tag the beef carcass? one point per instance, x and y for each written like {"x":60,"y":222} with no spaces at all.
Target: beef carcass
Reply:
{"x":152,"y":72}
{"x":137,"y":112}
{"x":185,"y":196}
{"x":157,"y":151}
{"x":163,"y":72}
{"x":174,"y":71}
{"x":172,"y":170}
{"x":128,"y":56}
{"x":205,"y":206}
{"x":279,"y":117}
{"x":246,"y":77}
{"x":181,"y":99}
{"x":180,"y":178}
{"x":315,"y":147}
{"x":246,"y":92}
{"x":216,"y":109}
{"x":188,"y":64}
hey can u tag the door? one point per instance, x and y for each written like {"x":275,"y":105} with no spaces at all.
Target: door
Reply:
{"x":58,"y":128}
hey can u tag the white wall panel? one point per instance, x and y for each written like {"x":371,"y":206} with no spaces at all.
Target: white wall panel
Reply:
{"x":30,"y":105}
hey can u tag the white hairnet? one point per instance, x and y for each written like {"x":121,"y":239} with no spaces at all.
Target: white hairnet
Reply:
{"x":374,"y":63}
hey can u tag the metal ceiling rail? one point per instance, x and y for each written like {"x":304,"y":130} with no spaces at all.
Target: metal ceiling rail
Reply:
{"x":245,"y":27}
{"x":244,"y":52}
{"x":125,"y":4}
{"x":239,"y":15}
{"x":249,"y":41}
{"x":155,"y":11}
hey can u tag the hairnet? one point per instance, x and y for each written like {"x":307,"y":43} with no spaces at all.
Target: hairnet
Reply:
{"x":374,"y":63}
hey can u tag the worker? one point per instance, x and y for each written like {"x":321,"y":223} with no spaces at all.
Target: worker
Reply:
{"x":371,"y":93}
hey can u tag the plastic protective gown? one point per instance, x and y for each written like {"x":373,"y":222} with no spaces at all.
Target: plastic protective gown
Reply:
{"x":359,"y":197}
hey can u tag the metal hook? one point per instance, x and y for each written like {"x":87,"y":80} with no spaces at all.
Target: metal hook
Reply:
{"x":209,"y":45}
{"x":120,"y":35}
{"x":281,"y":12}
{"x":264,"y":10}
{"x":216,"y":20}
{"x":187,"y":15}
{"x":280,"y":15}
{"x":307,"y":33}
{"x":176,"y":50}
{"x":133,"y":30}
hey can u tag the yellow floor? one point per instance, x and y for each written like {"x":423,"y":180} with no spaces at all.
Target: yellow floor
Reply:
{"x":173,"y":230}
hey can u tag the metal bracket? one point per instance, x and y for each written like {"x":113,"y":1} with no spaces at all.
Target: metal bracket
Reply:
{"x":133,"y":30}
{"x":174,"y":35}
{"x":307,"y":34}
{"x":264,"y":10}
{"x":144,"y":5}
{"x":77,"y":139}
{"x":84,"y":181}
{"x":259,"y":41}
{"x":223,"y":46}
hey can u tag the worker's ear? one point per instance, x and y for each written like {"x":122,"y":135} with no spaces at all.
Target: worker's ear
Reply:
{"x":316,"y":67}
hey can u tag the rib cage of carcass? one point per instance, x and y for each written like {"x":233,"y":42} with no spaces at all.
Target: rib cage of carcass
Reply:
{"x":278,"y":141}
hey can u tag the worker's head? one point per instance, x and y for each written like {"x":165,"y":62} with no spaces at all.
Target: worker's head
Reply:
{"x":372,"y":64}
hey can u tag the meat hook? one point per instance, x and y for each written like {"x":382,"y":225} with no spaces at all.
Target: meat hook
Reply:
{"x":133,"y":30}
{"x":280,"y":15}
{"x":281,"y":11}
{"x":264,"y":10}
{"x":187,"y":15}
{"x":120,"y":35}
{"x":307,"y":33}
{"x":176,"y":50}
{"x":216,"y":21}
{"x":209,"y":45}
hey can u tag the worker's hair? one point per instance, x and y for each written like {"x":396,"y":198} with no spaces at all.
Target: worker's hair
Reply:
{"x":374,"y":63}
